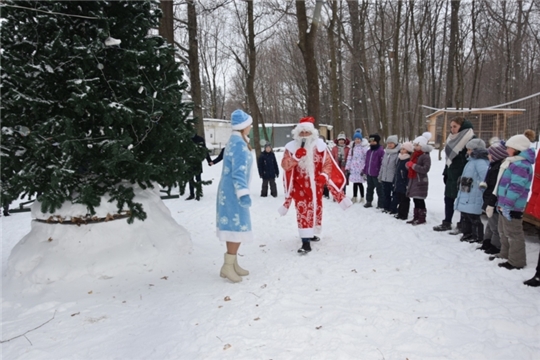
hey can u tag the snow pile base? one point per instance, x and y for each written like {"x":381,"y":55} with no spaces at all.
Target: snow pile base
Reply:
{"x":64,"y":252}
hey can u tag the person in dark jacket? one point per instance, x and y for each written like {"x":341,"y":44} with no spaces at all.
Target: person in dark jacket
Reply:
{"x":402,"y":179}
{"x":218,"y":158}
{"x":197,"y":169}
{"x":268,"y":171}
{"x":456,"y":159}
{"x":372,"y":168}
{"x":492,"y":241}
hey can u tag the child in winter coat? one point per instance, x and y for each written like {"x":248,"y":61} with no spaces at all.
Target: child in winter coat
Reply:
{"x":372,"y":169}
{"x":401,"y":181}
{"x":492,"y":242}
{"x":469,"y":200}
{"x":387,"y":174}
{"x":419,"y":166}
{"x":340,"y":152}
{"x":268,"y":171}
{"x":512,"y":189}
{"x":355,"y":165}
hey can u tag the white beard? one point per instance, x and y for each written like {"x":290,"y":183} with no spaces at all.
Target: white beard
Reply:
{"x":306,"y":163}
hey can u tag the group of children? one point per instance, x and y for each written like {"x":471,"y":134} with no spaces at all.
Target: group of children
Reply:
{"x":397,"y":173}
{"x":495,"y":180}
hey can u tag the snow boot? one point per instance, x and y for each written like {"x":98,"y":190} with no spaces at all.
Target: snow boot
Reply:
{"x":445,"y":226}
{"x":492,"y":250}
{"x":535,"y":281}
{"x":238,"y":269}
{"x":306,"y":247}
{"x":421,"y":217}
{"x":509,"y":266}
{"x":415,"y":216}
{"x":361,"y":200}
{"x":315,"y":238}
{"x":227,"y":270}
{"x":467,"y":237}
{"x":486,"y":244}
{"x":368,"y":204}
{"x":354,"y":199}
{"x":457,"y":230}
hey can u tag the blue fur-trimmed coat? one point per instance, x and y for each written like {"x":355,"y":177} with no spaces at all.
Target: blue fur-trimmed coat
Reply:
{"x":470,"y":198}
{"x":233,"y":221}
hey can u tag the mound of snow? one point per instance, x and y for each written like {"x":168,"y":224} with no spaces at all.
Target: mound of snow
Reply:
{"x":64,"y":252}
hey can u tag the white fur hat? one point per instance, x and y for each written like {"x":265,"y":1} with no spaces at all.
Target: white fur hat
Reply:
{"x":423,"y":139}
{"x":518,"y":142}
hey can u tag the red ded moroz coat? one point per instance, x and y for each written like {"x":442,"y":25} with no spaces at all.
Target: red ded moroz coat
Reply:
{"x":303,"y":189}
{"x":533,"y":206}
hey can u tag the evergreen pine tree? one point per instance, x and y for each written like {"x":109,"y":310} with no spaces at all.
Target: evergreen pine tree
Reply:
{"x":83,"y":115}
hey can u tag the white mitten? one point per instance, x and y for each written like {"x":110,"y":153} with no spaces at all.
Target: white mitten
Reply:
{"x":345,"y":203}
{"x":489,"y":211}
{"x":282,"y":210}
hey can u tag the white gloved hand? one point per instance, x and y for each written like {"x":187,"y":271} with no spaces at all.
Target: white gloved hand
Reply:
{"x":282,"y":210}
{"x":489,"y":211}
{"x":345,"y":203}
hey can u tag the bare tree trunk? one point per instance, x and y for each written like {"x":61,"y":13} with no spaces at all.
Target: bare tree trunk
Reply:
{"x":358,"y":100}
{"x":454,"y":32}
{"x":336,"y":118}
{"x":166,"y":28}
{"x":306,"y":43}
{"x":194,"y":76}
{"x":250,"y":88}
{"x":395,"y":65}
{"x":477,"y":54}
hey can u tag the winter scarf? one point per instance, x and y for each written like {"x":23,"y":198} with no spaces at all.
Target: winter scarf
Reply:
{"x":455,"y":143}
{"x":404,"y":156}
{"x":414,"y":160}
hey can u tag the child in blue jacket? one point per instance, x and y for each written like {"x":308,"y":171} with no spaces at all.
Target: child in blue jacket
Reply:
{"x":470,"y":198}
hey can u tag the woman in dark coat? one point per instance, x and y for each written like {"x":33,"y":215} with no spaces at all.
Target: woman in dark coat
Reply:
{"x":268,"y":171}
{"x":456,"y":159}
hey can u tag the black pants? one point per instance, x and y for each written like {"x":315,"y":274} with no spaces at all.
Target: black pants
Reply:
{"x":404,"y":205}
{"x":372,"y":185}
{"x":471,"y":224}
{"x":448,"y":208}
{"x":419,"y":203}
{"x":196,"y":178}
{"x":355,"y":188}
{"x":273,"y":188}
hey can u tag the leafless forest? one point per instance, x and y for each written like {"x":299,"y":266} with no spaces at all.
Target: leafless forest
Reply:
{"x":355,"y":64}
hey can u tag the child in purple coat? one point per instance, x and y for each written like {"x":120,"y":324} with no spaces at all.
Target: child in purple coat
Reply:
{"x":374,"y":158}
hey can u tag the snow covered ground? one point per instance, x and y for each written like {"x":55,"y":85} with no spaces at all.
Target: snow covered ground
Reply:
{"x":373,"y":288}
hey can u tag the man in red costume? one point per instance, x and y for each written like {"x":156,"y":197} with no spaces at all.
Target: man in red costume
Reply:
{"x":308,"y":166}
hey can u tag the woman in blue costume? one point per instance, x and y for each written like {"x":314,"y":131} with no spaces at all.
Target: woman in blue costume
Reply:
{"x":233,"y":201}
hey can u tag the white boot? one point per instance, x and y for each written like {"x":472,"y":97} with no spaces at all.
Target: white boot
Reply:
{"x":361,"y":200}
{"x":354,"y":199}
{"x":227,"y":270}
{"x":238,"y":269}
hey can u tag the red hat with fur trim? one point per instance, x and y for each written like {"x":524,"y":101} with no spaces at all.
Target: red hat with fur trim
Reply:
{"x":307,"y":123}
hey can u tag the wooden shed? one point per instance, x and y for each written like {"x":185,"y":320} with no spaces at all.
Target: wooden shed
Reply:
{"x":487,"y":122}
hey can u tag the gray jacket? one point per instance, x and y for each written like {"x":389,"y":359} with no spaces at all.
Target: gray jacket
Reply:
{"x":389,"y":164}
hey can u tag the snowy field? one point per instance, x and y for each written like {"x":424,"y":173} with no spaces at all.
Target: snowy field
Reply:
{"x":373,"y":288}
